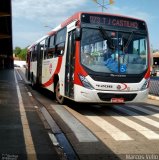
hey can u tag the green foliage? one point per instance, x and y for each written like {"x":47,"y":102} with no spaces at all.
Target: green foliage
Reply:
{"x":20,"y":53}
{"x":17,"y":51}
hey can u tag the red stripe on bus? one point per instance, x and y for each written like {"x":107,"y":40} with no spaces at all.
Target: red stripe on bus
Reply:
{"x":147,"y":75}
{"x":57,"y":70}
{"x":78,"y":68}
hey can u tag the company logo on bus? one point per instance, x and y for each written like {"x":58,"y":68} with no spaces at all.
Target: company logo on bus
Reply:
{"x":50,"y":68}
{"x":122,"y":86}
{"x":118,"y":87}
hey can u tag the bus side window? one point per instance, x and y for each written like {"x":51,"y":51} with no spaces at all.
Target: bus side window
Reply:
{"x":34,"y":54}
{"x":46,"y":48}
{"x":51,"y":47}
{"x":60,"y":42}
{"x":42,"y":49}
{"x":31,"y":56}
{"x":60,"y":49}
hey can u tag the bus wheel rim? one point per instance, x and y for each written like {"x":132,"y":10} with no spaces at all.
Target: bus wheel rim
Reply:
{"x":58,"y":96}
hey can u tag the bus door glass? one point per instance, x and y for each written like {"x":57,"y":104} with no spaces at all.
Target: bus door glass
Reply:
{"x":39,"y":62}
{"x":28,"y":64}
{"x":70,"y":62}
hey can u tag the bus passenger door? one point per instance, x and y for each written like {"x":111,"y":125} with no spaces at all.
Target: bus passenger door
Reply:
{"x":39,"y":63}
{"x":70,"y":63}
{"x":28,"y":59}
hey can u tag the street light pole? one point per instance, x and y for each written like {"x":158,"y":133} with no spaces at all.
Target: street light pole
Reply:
{"x":48,"y":27}
{"x":102,"y":5}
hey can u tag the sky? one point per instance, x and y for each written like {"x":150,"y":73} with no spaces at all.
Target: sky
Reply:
{"x":32,"y":19}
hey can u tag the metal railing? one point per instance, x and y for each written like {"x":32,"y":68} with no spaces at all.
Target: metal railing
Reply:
{"x":154,"y":86}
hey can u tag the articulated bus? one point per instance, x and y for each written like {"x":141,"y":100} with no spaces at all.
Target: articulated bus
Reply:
{"x":93,"y":58}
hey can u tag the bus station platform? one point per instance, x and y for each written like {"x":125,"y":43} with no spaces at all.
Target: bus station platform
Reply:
{"x":22,"y":132}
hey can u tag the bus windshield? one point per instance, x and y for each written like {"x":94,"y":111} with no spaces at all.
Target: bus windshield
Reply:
{"x":114,"y":51}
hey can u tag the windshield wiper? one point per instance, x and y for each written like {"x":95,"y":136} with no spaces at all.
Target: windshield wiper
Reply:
{"x":129,"y":40}
{"x":106,"y":37}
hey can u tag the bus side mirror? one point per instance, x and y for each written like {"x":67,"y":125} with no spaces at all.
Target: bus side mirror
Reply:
{"x":78,"y":34}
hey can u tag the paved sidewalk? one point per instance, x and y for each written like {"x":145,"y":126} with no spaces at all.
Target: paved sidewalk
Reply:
{"x":14,"y":142}
{"x":153,"y":97}
{"x":11,"y":131}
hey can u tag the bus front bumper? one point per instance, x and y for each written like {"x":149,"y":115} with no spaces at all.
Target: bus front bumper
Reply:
{"x":98,"y":96}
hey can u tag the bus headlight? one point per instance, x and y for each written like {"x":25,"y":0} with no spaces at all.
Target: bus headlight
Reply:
{"x":85,"y":82}
{"x":146,"y":84}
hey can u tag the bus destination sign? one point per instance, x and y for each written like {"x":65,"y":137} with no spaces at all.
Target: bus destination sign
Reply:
{"x":112,"y":21}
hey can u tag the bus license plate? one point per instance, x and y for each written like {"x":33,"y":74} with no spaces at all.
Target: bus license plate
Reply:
{"x":117,"y":100}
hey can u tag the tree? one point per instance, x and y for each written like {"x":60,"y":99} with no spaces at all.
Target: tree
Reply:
{"x":23,"y":53}
{"x":20,"y":53}
{"x":17,"y":51}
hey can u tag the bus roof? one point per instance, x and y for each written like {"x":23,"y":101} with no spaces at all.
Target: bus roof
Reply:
{"x":77,"y":16}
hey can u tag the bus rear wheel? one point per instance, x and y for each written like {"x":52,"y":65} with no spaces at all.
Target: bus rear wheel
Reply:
{"x":32,"y":82}
{"x":60,"y":99}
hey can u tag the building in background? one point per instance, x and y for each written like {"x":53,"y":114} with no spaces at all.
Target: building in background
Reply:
{"x":6,"y":54}
{"x":155,"y":64}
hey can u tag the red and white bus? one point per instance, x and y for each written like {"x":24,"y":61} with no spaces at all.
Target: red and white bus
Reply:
{"x":94,"y":58}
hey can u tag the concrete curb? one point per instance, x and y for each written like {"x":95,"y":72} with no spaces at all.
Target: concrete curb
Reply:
{"x":153,"y":97}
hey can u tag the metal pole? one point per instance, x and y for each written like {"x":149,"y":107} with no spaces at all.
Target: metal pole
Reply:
{"x":103,"y":6}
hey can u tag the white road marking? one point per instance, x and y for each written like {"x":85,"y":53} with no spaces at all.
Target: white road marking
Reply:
{"x":138,"y":116}
{"x":30,"y":149}
{"x":154,"y":114}
{"x":80,"y":131}
{"x":19,"y":75}
{"x":149,"y":134}
{"x":29,"y":93}
{"x":113,"y":131}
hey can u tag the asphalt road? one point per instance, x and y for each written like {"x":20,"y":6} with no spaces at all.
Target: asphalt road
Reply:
{"x":83,"y":131}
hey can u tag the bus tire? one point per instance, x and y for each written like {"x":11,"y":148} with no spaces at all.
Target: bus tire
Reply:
{"x":60,"y":99}
{"x":32,"y":82}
